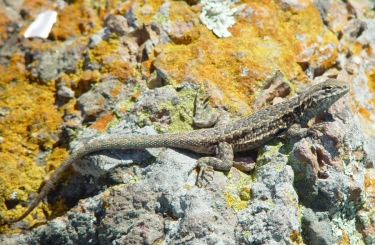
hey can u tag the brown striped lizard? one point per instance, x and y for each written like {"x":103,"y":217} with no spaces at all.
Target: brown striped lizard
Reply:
{"x":286,"y":118}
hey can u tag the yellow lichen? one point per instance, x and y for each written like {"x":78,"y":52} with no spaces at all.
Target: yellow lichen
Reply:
{"x":245,"y":194}
{"x":104,"y":50}
{"x":27,"y":126}
{"x":146,"y":10}
{"x":234,"y":201}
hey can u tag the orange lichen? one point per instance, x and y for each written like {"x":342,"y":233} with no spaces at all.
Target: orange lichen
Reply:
{"x":100,"y":101}
{"x":86,"y":80}
{"x":35,"y":4}
{"x":106,"y":53}
{"x":295,"y":237}
{"x":369,"y":51}
{"x":31,"y":8}
{"x":327,"y":54}
{"x":369,"y":184}
{"x":102,"y":123}
{"x":371,"y":80}
{"x":356,"y":48}
{"x":121,"y":69}
{"x":135,"y":96}
{"x":116,"y":90}
{"x":364,"y":112}
{"x":81,"y":81}
{"x":345,"y":239}
{"x":120,"y":8}
{"x":74,"y":20}
{"x":103,"y":8}
{"x":90,"y":75}
{"x":261,"y":42}
{"x":3,"y":22}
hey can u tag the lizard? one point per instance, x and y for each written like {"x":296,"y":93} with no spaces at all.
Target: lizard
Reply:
{"x":286,"y":118}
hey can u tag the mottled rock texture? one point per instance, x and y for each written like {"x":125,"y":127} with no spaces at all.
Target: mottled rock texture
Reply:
{"x":134,"y":67}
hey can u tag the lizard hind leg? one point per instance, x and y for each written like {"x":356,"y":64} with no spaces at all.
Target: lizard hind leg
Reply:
{"x":222,"y":161}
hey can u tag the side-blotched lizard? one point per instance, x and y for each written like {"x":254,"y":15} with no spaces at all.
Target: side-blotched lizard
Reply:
{"x":244,"y":134}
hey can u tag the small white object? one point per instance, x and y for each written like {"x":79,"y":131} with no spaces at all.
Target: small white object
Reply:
{"x":42,"y":25}
{"x":218,"y":16}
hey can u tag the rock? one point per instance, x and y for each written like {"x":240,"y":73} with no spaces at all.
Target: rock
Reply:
{"x":139,"y":66}
{"x":317,"y":228}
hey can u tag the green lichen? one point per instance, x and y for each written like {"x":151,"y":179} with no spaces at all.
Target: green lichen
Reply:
{"x":238,"y":193}
{"x":160,"y":19}
{"x":179,"y":120}
{"x":265,"y":154}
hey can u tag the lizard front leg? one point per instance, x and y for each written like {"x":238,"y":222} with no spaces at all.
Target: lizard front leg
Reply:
{"x":224,"y":158}
{"x":202,"y":116}
{"x":296,"y":131}
{"x":222,"y":161}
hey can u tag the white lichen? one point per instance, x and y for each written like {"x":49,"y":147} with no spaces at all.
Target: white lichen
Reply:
{"x":218,"y":16}
{"x":344,"y":221}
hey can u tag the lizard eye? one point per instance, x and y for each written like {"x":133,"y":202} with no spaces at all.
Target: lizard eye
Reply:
{"x":328,"y":89}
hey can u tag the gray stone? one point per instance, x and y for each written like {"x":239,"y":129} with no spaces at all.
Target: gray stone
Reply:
{"x":101,"y":100}
{"x":272,"y":215}
{"x":317,"y":228}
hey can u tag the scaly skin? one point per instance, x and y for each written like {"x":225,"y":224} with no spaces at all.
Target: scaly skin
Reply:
{"x":241,"y":135}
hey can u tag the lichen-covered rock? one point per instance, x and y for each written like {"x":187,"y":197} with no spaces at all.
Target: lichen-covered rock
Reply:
{"x":271,"y":217}
{"x":103,"y":71}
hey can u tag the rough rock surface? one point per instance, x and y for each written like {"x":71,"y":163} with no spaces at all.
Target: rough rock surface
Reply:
{"x":136,"y":71}
{"x":165,"y":205}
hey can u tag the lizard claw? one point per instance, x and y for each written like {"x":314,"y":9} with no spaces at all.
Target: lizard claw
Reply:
{"x":316,"y":129}
{"x":205,"y":175}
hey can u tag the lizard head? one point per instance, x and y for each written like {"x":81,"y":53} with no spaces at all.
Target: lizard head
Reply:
{"x":320,"y":97}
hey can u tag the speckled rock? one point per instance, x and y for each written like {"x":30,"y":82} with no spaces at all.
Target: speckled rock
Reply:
{"x":103,"y":72}
{"x":272,"y":215}
{"x":317,"y":228}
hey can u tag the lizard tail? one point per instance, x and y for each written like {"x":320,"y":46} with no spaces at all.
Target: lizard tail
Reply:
{"x":133,"y":142}
{"x":47,"y":187}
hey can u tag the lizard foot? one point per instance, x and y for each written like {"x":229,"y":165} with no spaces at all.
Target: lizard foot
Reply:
{"x":205,"y":175}
{"x":316,"y":129}
{"x":222,"y":161}
{"x":202,"y":118}
{"x":297,"y":132}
